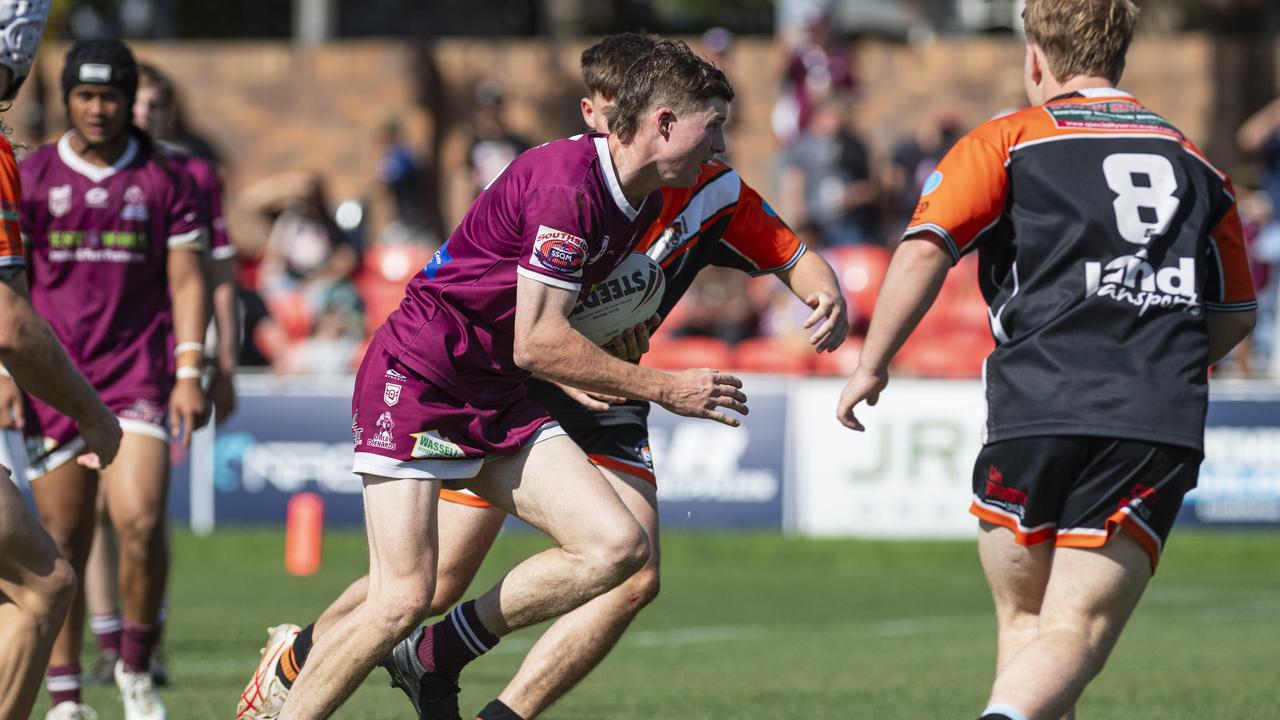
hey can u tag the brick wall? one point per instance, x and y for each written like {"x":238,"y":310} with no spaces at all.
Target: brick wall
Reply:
{"x":271,"y":107}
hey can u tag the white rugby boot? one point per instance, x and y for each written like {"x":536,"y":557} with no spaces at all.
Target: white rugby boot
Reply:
{"x":71,"y":711}
{"x":264,"y":696}
{"x":138,"y":691}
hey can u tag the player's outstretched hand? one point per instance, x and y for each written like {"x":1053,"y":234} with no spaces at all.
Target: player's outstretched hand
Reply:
{"x":222,"y":396}
{"x":698,"y":393}
{"x":633,"y":342}
{"x":10,"y":405}
{"x":591,"y":400}
{"x":186,"y":409}
{"x":829,"y":321}
{"x":863,"y":385}
{"x":101,"y":432}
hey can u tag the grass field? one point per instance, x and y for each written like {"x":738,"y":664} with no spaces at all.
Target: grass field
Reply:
{"x":759,"y":626}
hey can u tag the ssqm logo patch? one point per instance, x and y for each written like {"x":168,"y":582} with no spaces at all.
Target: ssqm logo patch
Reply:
{"x":559,"y":251}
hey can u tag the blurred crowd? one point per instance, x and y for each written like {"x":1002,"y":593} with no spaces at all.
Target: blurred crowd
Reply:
{"x":316,"y":280}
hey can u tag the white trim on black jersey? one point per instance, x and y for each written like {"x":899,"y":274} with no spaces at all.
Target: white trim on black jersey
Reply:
{"x":611,"y":179}
{"x":940,"y":232}
{"x":1103,"y":135}
{"x":95,"y":173}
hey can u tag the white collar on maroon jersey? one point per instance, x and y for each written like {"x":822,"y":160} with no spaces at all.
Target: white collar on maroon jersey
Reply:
{"x":96,"y":173}
{"x":1103,"y":92}
{"x":611,"y":177}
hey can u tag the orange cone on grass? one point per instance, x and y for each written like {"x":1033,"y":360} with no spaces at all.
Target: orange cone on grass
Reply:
{"x":304,"y":534}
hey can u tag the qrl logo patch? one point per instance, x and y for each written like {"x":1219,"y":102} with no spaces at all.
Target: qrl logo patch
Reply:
{"x":559,"y":252}
{"x":59,"y":200}
{"x":391,"y":393}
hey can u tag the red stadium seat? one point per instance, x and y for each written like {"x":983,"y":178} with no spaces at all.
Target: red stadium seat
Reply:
{"x":688,"y":352}
{"x":842,"y":362}
{"x":860,"y":270}
{"x":381,"y":280}
{"x":292,"y":313}
{"x":770,"y":355}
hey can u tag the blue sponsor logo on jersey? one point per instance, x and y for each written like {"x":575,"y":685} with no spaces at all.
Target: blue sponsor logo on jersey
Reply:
{"x":931,"y":183}
{"x":441,"y":257}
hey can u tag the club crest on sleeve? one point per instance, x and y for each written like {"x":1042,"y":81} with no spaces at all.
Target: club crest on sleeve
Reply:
{"x":931,"y":183}
{"x":59,"y":200}
{"x":559,"y":251}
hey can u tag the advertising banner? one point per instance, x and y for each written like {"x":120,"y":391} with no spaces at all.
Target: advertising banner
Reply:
{"x":292,"y":437}
{"x":908,"y":475}
{"x":1240,"y":477}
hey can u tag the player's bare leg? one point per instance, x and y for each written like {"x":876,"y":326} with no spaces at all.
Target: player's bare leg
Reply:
{"x":102,"y":593}
{"x":555,"y":488}
{"x":66,"y":498}
{"x":137,"y":489}
{"x":1090,"y":595}
{"x":400,"y":519}
{"x":466,"y":535}
{"x":36,"y":590}
{"x":576,"y":643}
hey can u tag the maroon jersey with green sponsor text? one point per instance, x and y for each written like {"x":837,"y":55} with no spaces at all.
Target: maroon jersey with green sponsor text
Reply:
{"x":98,"y":239}
{"x":556,"y":215}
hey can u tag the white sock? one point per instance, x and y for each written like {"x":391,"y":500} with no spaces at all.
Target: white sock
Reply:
{"x":1005,"y":710}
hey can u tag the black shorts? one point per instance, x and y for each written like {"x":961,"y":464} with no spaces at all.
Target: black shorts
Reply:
{"x":617,"y":438}
{"x":1078,"y":490}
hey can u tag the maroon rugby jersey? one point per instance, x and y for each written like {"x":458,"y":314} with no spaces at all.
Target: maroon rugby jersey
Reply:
{"x":98,"y":238}
{"x":209,"y":191}
{"x":556,"y":215}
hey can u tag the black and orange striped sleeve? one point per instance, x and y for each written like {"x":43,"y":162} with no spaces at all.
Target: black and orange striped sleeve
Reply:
{"x":761,"y":237}
{"x":965,"y":196}
{"x":1230,"y":287}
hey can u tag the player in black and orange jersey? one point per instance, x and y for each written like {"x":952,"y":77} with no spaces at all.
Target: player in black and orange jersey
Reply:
{"x":1112,"y":260}
{"x":36,"y":585}
{"x":719,"y":221}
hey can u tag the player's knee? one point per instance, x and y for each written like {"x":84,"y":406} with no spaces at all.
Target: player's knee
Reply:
{"x":621,"y":554}
{"x":402,"y":607}
{"x":140,"y":534}
{"x":55,"y":591}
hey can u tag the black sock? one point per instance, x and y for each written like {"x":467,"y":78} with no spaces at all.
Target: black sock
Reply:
{"x":302,"y":644}
{"x":291,"y":661}
{"x":995,"y":716}
{"x":497,"y":710}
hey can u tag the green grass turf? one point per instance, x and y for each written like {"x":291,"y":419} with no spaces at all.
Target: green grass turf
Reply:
{"x":760,"y":626}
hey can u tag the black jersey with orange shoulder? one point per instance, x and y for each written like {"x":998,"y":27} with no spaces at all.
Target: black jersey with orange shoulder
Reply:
{"x":721,"y":220}
{"x":1104,"y":236}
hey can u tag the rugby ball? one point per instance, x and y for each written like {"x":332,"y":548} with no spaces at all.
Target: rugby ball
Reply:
{"x":629,"y":296}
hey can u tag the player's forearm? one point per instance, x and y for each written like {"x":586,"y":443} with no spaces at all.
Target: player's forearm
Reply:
{"x":190,"y":315}
{"x":226,"y":316}
{"x":811,"y":274}
{"x":32,"y":354}
{"x":911,"y":285}
{"x":563,"y":355}
{"x":1226,"y":330}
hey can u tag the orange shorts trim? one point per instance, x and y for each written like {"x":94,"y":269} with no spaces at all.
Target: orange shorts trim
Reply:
{"x":458,"y":497}
{"x":1086,"y":538}
{"x":622,"y":466}
{"x":1121,"y":518}
{"x":1021,"y":535}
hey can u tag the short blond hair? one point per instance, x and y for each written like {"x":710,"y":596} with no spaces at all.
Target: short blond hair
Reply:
{"x":1082,"y":37}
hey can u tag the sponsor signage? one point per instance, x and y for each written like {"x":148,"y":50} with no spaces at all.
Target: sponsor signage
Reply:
{"x":907,"y":476}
